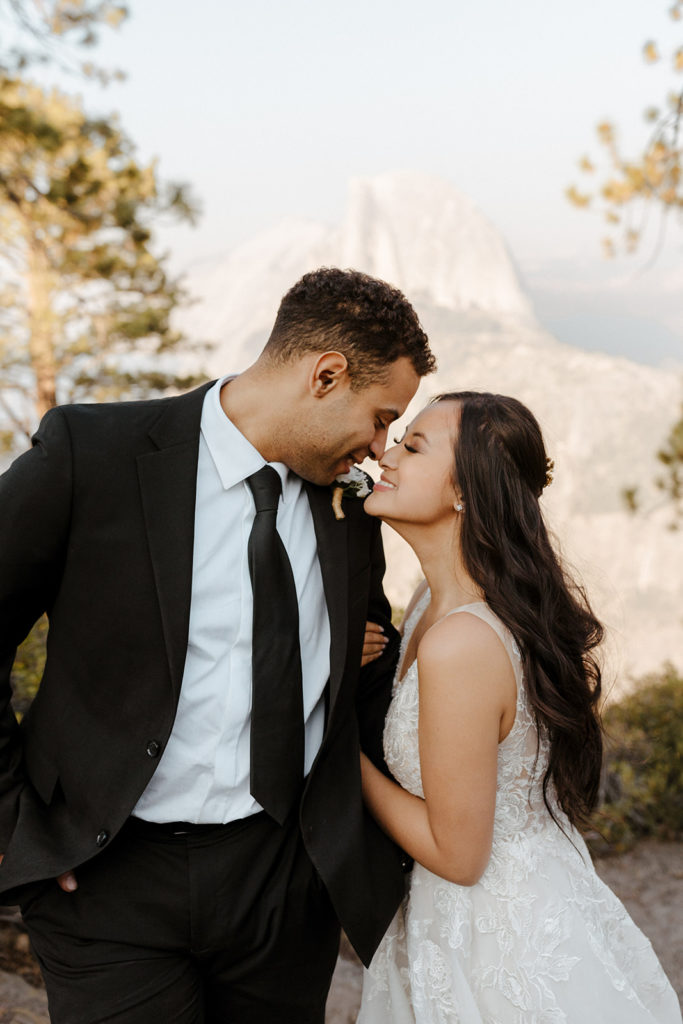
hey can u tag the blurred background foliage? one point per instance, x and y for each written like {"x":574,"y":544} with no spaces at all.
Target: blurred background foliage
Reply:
{"x":632,"y":188}
{"x":642,"y":787}
{"x":59,"y":32}
{"x":86,"y":300}
{"x":631,"y":192}
{"x":28,"y":667}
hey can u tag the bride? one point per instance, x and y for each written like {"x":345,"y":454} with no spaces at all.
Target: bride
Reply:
{"x":494,"y":741}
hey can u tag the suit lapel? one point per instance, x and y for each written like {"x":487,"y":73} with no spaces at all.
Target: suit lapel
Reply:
{"x":332,"y":542}
{"x":168,"y":480}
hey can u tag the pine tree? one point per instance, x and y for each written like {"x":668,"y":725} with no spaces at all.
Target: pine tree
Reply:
{"x":85,"y":304}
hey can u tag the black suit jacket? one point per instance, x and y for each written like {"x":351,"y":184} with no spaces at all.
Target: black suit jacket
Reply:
{"x":96,"y":528}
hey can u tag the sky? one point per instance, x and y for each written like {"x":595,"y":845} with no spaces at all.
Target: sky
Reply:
{"x":268,"y":107}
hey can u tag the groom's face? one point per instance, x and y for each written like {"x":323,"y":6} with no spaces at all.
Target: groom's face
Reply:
{"x":349,"y":426}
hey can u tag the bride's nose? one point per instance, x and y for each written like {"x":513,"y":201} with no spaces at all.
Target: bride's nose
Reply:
{"x":388,"y":460}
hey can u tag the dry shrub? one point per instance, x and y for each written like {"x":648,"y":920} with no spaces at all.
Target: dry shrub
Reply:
{"x":642,"y":785}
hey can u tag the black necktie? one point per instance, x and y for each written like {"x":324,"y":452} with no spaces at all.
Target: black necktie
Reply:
{"x":277,"y":715}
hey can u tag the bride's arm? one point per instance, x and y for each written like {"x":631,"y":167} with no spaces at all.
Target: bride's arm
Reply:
{"x":467,"y":692}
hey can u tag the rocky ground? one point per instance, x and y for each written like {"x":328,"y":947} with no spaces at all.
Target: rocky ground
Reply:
{"x":649,"y":880}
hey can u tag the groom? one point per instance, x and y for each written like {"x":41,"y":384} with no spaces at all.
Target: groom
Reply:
{"x":197,"y":795}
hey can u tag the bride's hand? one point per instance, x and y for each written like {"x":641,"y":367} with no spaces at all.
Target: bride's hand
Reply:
{"x":374,"y":643}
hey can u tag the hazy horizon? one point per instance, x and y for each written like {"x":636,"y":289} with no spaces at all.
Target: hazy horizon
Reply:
{"x":268,"y":110}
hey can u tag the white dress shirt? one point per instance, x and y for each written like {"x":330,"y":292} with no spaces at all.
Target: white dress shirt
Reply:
{"x":203,"y":774}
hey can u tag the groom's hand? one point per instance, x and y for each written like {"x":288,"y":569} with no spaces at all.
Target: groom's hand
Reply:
{"x":374,"y":643}
{"x":67,"y":881}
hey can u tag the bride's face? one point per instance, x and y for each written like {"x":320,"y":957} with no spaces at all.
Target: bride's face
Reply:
{"x":416,"y":485}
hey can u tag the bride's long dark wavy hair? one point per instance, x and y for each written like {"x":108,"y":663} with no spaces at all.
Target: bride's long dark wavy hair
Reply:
{"x":500,"y":470}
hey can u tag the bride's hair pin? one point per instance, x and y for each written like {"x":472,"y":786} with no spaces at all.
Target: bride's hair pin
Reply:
{"x":549,"y":471}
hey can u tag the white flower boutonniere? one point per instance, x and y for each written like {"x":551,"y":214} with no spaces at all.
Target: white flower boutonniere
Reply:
{"x":353,"y":484}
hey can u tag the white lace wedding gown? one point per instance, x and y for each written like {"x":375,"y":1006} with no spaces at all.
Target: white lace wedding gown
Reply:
{"x":539,"y":939}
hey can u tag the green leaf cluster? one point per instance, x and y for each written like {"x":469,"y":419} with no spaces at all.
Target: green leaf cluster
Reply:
{"x":670,"y":483}
{"x":642,"y":787}
{"x":631,"y":186}
{"x":671,"y":457}
{"x":48,"y":31}
{"x":28,"y":668}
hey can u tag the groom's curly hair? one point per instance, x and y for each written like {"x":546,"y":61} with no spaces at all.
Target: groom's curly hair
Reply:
{"x":369,"y":321}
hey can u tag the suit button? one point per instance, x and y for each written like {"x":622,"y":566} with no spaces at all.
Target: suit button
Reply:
{"x":153,"y":748}
{"x":102,"y":837}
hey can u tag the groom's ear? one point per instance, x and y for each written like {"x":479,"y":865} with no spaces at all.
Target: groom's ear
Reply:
{"x":330,"y":371}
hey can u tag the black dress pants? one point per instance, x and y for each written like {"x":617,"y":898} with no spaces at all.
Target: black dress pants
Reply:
{"x":226,"y":924}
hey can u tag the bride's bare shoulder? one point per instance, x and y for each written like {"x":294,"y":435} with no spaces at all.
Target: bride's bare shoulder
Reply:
{"x":463,"y":645}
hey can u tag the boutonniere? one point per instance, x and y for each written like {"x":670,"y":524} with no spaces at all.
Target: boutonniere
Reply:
{"x":353,"y":484}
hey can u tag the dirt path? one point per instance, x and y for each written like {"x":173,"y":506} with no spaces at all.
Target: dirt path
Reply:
{"x":648,"y":879}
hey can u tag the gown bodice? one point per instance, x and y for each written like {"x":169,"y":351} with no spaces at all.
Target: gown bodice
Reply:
{"x":522,"y":755}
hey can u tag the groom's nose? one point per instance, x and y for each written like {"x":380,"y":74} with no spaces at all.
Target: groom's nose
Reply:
{"x":377,"y":445}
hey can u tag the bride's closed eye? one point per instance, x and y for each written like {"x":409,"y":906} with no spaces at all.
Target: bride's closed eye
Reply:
{"x":408,"y":447}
